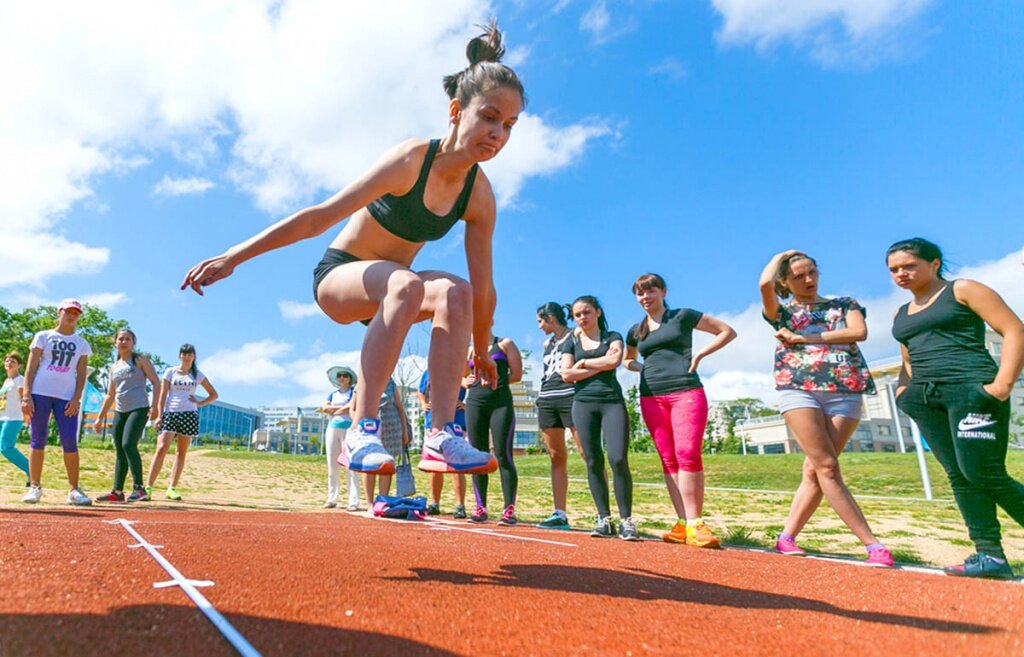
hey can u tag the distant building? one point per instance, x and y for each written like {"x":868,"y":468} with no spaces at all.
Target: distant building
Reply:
{"x":222,"y":422}
{"x":878,"y":430}
{"x":295,"y":429}
{"x":524,"y":400}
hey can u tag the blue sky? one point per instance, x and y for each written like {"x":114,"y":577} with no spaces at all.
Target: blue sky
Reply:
{"x":694,"y":139}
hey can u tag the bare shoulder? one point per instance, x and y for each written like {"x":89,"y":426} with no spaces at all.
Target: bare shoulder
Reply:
{"x":482,"y":206}
{"x":965,"y":289}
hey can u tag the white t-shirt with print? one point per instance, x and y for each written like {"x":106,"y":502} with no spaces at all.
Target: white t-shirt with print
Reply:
{"x":182,"y":386}
{"x":10,"y":398}
{"x":58,"y":373}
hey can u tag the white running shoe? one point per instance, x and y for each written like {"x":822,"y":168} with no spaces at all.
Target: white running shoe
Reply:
{"x":34,"y":494}
{"x":362,"y":450}
{"x":78,"y":498}
{"x":447,"y":450}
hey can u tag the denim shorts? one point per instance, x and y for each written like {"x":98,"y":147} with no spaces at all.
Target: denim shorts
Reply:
{"x":833,"y":404}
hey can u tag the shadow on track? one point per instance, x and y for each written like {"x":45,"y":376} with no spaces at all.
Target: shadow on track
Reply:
{"x":170,"y":630}
{"x":640,"y":584}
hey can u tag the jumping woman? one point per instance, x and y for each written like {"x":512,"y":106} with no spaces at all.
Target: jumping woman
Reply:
{"x":554,"y":409}
{"x":178,"y":416}
{"x":672,"y":399}
{"x":54,"y":381}
{"x":822,"y":378}
{"x":491,"y":419}
{"x":589,"y":360}
{"x":127,"y":394}
{"x":959,"y":397}
{"x":414,"y":194}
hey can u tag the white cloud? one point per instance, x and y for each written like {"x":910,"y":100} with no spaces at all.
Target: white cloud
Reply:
{"x":743,"y":368}
{"x":835,"y":31}
{"x":294,"y":310}
{"x":602,"y":27}
{"x":182,"y":186}
{"x":105,"y":300}
{"x":252,"y":363}
{"x":102,"y":300}
{"x":670,"y":67}
{"x":285,"y":86}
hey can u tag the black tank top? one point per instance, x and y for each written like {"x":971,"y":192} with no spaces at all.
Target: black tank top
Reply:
{"x":478,"y":393}
{"x":946,"y":342}
{"x":406,"y":217}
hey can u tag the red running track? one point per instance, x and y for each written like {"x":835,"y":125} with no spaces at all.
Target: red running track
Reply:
{"x":337,"y":584}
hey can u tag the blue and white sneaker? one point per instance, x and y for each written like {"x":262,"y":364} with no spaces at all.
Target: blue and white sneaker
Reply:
{"x":446,"y":450}
{"x":982,"y":565}
{"x":362,"y":450}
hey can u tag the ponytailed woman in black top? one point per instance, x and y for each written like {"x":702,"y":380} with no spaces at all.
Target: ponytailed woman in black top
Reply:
{"x":589,"y":360}
{"x":959,"y":397}
{"x":414,"y":194}
{"x":554,"y":408}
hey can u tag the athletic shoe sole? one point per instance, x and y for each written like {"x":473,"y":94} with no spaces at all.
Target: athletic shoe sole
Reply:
{"x":428,"y":464}
{"x":387,"y":468}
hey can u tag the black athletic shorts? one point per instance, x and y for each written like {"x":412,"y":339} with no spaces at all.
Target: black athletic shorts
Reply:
{"x":554,"y":412}
{"x":332,"y":258}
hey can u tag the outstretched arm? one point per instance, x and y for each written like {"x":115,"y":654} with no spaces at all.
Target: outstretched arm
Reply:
{"x":387,"y":175}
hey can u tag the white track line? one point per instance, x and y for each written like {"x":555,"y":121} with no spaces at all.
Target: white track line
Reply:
{"x":451,"y":525}
{"x":237,"y":641}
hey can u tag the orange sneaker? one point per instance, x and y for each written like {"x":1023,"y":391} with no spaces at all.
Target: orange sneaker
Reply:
{"x":701,"y":536}
{"x":677,"y":535}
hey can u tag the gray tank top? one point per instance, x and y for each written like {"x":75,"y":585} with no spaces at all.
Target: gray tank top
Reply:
{"x":129,"y":387}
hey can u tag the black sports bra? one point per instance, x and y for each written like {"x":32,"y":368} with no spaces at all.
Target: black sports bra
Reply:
{"x":407,"y":217}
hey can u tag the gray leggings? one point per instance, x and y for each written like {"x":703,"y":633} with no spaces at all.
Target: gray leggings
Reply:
{"x":592,"y":419}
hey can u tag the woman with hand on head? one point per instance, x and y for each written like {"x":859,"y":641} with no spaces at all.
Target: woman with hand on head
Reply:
{"x":11,"y":418}
{"x":178,"y":416}
{"x":127,"y":394}
{"x":959,"y":397}
{"x":491,"y":419}
{"x":822,"y":378}
{"x":339,"y":407}
{"x":54,"y":381}
{"x":414,"y":194}
{"x":672,"y":399}
{"x":589,"y":360}
{"x":554,"y":408}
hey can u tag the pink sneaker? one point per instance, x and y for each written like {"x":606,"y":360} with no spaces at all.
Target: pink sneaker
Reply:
{"x":880,"y":558}
{"x":508,"y":516}
{"x":787,"y":546}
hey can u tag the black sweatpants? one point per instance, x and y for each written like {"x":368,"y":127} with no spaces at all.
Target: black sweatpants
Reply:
{"x":495,"y":418}
{"x":128,"y":428}
{"x":609,"y":418}
{"x":968,"y":430}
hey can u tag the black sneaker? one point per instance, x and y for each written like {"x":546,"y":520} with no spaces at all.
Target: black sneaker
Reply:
{"x":555,"y":521}
{"x":627,"y":530}
{"x":460,"y":512}
{"x":604,"y":528}
{"x":479,"y":516}
{"x":983,"y":566}
{"x":433,"y":509}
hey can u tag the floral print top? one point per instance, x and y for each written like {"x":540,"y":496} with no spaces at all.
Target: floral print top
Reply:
{"x":820,"y":367}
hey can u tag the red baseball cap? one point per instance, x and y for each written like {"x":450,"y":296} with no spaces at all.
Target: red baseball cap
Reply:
{"x":70,"y":303}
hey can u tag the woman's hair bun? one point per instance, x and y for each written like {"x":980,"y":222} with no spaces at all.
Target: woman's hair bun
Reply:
{"x":487,"y":47}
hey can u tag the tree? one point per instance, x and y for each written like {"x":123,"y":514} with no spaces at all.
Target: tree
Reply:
{"x":95,"y":326}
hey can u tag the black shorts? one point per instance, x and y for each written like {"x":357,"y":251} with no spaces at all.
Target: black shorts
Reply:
{"x":554,"y":412}
{"x":332,"y":258}
{"x":185,"y":423}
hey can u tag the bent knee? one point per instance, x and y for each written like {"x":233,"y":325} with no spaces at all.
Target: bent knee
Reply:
{"x":406,"y":286}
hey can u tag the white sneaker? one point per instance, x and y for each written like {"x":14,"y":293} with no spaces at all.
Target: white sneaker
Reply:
{"x":34,"y":494}
{"x":78,"y":498}
{"x":362,"y":450}
{"x":447,"y":450}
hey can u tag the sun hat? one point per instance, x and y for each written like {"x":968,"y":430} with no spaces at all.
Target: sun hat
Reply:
{"x":332,"y":374}
{"x":70,"y":303}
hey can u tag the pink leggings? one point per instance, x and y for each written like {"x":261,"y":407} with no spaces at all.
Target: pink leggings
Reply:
{"x":676,"y":422}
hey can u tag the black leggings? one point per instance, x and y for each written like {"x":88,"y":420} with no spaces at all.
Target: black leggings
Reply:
{"x":498,"y":419}
{"x":592,"y":419}
{"x":128,"y":428}
{"x":968,"y":431}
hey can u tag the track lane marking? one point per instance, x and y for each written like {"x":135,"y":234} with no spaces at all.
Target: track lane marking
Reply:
{"x":227,"y":630}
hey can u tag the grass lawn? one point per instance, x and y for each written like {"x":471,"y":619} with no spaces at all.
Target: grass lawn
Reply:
{"x":746,"y":501}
